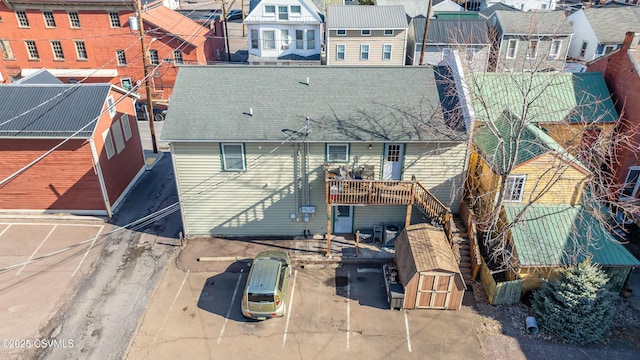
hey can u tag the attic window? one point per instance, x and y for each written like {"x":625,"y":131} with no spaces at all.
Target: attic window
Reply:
{"x":295,"y":9}
{"x":270,"y":9}
{"x":388,"y":32}
{"x":365,"y":32}
{"x":341,"y":32}
{"x":514,"y":188}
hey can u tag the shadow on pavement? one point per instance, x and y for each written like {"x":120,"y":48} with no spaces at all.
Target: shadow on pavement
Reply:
{"x":221,"y":294}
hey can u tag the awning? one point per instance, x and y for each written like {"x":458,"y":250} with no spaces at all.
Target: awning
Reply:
{"x":81,"y":73}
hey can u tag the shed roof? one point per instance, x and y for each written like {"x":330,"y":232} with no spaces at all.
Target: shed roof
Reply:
{"x":176,"y":24}
{"x":557,"y":235}
{"x":270,"y":103}
{"x":366,"y":17}
{"x":552,"y":97}
{"x":534,"y":22}
{"x":611,"y":24}
{"x":429,"y":251}
{"x":452,"y":31}
{"x":51,"y":111}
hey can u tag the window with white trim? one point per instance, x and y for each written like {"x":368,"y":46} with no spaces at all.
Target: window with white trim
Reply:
{"x":554,"y":51}
{"x":81,"y":50}
{"x":126,"y":126}
{"x":121,"y":57}
{"x":341,"y":32}
{"x":233,"y":157}
{"x":514,"y":188}
{"x":23,"y":20}
{"x":388,"y":32}
{"x":340,"y":51}
{"x":269,"y":40}
{"x":56,"y":46}
{"x":114,"y":19}
{"x":154,"y":59}
{"x":532,"y":50}
{"x":364,"y":52}
{"x":32,"y":49}
{"x":583,"y":49}
{"x":111,"y":105}
{"x":177,"y":57}
{"x":365,"y":32}
{"x":7,"y":52}
{"x":386,"y":51}
{"x":469,"y":55}
{"x":49,"y":20}
{"x":283,"y":13}
{"x":108,"y":144}
{"x":299,"y":39}
{"x":116,"y":130}
{"x":126,"y":83}
{"x":270,"y":9}
{"x":74,"y":19}
{"x":254,"y":39}
{"x":337,"y":153}
{"x":512,"y":47}
{"x":284,"y":39}
{"x":295,"y":9}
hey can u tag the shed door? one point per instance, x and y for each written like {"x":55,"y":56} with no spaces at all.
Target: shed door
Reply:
{"x":434,"y":290}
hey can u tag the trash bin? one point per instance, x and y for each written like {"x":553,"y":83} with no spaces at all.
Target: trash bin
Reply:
{"x":396,"y":297}
{"x":390,"y":234}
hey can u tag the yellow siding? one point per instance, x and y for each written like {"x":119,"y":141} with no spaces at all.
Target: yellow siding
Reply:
{"x":570,"y":136}
{"x":533,"y":277}
{"x":353,"y":40}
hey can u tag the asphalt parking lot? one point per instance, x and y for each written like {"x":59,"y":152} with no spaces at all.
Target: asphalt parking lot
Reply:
{"x":331,"y":313}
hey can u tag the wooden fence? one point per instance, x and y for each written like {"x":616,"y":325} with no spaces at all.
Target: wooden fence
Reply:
{"x":499,"y":293}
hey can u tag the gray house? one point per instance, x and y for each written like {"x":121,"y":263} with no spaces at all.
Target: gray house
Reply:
{"x":274,"y":151}
{"x":469,"y":37}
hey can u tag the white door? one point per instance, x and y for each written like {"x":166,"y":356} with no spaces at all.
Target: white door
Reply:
{"x":392,"y":161}
{"x":342,"y":219}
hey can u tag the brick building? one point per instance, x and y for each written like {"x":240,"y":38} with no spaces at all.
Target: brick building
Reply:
{"x":91,"y":41}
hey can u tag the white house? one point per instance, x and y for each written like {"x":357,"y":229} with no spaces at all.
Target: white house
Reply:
{"x":524,"y":5}
{"x":284,"y":31}
{"x":415,"y":8}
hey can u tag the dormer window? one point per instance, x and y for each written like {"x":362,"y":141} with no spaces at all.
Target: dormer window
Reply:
{"x":283,"y":13}
{"x":270,"y":9}
{"x":295,"y":9}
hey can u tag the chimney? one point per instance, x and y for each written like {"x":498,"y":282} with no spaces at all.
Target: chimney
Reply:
{"x":630,"y":41}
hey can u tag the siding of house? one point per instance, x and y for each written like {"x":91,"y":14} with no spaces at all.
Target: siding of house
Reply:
{"x":63,"y":180}
{"x":540,"y":62}
{"x":570,"y":137}
{"x":376,"y":40}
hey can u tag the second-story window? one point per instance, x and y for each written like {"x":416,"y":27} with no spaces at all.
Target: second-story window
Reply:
{"x":121,"y":57}
{"x":56,"y":46}
{"x":74,"y":19}
{"x":388,"y":32}
{"x":554,"y":51}
{"x":512,"y":46}
{"x":49,"y":20}
{"x":365,"y":32}
{"x":514,"y":188}
{"x":81,"y":50}
{"x":32,"y":49}
{"x":532,"y":51}
{"x":283,"y":13}
{"x":5,"y":48}
{"x":153,"y":57}
{"x":177,"y":57}
{"x":386,"y":51}
{"x":295,"y":9}
{"x":270,"y":9}
{"x":341,"y":32}
{"x":23,"y":21}
{"x":114,"y":18}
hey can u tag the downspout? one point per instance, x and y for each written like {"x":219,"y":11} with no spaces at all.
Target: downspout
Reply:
{"x":103,"y":186}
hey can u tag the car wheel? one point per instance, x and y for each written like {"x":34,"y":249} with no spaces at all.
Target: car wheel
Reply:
{"x":158,"y":117}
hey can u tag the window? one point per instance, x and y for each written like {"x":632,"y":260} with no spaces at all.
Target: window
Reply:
{"x":56,"y":46}
{"x":32,"y":49}
{"x":49,"y":20}
{"x":81,"y":50}
{"x":554,"y":51}
{"x":583,"y":49}
{"x":114,"y":18}
{"x":108,"y":144}
{"x":254,"y":39}
{"x":121,"y":58}
{"x":512,"y":47}
{"x":364,"y":52}
{"x":311,"y":39}
{"x":112,"y":106}
{"x":153,"y":57}
{"x":7,"y":52}
{"x":116,"y":130}
{"x":337,"y":152}
{"x":177,"y":57}
{"x":341,"y":32}
{"x":295,"y":9}
{"x":388,"y":32}
{"x":608,"y":48}
{"x":126,"y":126}
{"x":365,"y":32}
{"x":233,"y":157}
{"x":386,"y":51}
{"x":283,"y":13}
{"x":469,"y":55}
{"x":340,"y":51}
{"x":270,"y":9}
{"x":23,"y":21}
{"x":269,"y":39}
{"x":532,"y":50}
{"x":126,"y":83}
{"x":630,"y":189}
{"x":299,"y":39}
{"x":284,"y":38}
{"x":514,"y":188}
{"x":74,"y":19}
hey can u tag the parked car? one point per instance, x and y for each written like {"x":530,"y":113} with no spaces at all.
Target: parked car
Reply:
{"x":234,"y":14}
{"x":266,"y":289}
{"x":159,"y":112}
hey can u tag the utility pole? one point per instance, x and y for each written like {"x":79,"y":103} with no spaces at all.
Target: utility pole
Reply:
{"x":226,"y":33}
{"x":426,"y":32}
{"x":146,"y":79}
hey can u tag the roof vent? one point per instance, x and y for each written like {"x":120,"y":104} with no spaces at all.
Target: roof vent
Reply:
{"x":306,"y":82}
{"x":250,"y":112}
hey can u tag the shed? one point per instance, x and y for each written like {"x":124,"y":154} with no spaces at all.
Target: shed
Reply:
{"x":427,"y":269}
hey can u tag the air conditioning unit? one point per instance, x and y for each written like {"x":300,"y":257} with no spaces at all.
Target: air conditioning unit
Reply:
{"x":285,"y":47}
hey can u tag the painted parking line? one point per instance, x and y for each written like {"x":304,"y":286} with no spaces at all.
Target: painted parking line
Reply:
{"x":5,"y":229}
{"x":286,"y":326}
{"x":175,"y":298}
{"x":406,"y":325}
{"x":36,"y":250}
{"x":87,"y":252}
{"x":348,"y":307}
{"x":233,"y":301}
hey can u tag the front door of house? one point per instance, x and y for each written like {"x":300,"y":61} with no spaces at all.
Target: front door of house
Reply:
{"x":392,"y":161}
{"x":342,"y":219}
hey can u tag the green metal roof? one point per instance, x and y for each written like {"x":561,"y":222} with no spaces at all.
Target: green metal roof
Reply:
{"x":551,"y":97}
{"x":457,"y":15}
{"x":508,"y":140}
{"x":556,"y":235}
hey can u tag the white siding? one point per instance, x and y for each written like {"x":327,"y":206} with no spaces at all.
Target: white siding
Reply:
{"x":582,"y":31}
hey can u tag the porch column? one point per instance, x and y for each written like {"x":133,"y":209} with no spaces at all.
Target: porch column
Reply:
{"x":329,"y":206}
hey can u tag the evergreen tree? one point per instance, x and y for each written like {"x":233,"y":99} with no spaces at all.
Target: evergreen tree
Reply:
{"x":575,"y":305}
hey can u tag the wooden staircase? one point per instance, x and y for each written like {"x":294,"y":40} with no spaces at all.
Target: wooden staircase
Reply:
{"x":462,"y":249}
